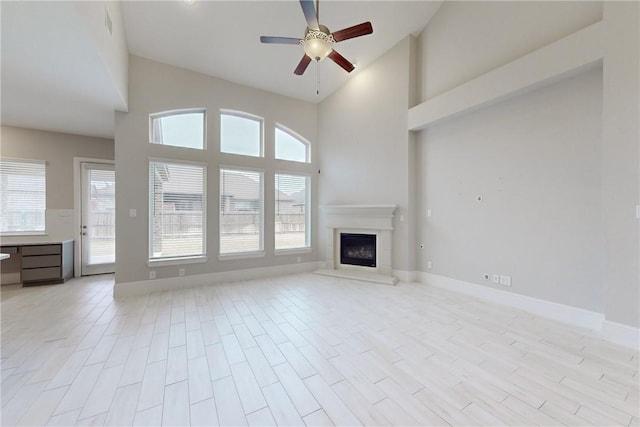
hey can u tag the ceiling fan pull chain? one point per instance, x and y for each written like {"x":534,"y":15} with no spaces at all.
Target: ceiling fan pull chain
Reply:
{"x":317,"y":78}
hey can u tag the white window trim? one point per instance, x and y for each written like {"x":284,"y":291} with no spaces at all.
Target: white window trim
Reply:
{"x":169,"y":260}
{"x":241,"y":255}
{"x":160,"y":262}
{"x":176,"y":113}
{"x":293,"y":251}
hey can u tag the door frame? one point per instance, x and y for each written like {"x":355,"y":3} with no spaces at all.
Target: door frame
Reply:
{"x":77,"y":208}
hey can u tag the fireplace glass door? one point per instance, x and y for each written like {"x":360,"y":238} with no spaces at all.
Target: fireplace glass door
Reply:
{"x":358,"y":249}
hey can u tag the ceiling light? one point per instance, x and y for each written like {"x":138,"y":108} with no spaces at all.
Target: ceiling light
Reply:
{"x":189,"y":1}
{"x":317,"y":43}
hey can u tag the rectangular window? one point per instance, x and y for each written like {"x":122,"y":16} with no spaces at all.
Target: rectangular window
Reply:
{"x":177,"y":209}
{"x":291,"y":204}
{"x":241,"y":211}
{"x":23,"y":196}
{"x":183,"y":128}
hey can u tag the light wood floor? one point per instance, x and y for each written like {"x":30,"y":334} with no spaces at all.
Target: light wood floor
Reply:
{"x":298,"y":350}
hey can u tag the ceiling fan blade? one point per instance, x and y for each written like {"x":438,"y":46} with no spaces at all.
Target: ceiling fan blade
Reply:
{"x":341,"y":61}
{"x":309,"y":11}
{"x":302,"y":66}
{"x":279,"y":40}
{"x":355,"y":31}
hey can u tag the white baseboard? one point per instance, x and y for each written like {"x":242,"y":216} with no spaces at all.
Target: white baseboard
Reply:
{"x":616,"y":333}
{"x":358,"y":275}
{"x":404,"y":275}
{"x":564,"y":313}
{"x":144,"y":287}
{"x":620,"y":334}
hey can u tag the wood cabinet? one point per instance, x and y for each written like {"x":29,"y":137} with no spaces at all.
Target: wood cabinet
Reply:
{"x":45,"y":263}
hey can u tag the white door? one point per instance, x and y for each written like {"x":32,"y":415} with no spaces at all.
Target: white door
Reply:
{"x":98,"y":227}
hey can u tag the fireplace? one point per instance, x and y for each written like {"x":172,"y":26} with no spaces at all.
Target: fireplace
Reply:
{"x":369,"y":246}
{"x":358,"y":249}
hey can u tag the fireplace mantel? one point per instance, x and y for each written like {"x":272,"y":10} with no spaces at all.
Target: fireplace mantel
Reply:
{"x":374,"y":219}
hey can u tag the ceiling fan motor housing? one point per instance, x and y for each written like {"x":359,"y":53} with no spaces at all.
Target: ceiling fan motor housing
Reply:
{"x":317,"y":43}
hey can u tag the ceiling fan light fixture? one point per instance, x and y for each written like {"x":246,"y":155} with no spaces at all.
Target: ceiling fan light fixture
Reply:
{"x":317,"y":43}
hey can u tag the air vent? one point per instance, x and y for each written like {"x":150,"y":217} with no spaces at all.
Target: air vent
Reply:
{"x":107,"y":21}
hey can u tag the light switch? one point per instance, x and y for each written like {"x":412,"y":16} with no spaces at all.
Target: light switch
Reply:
{"x":132,"y":213}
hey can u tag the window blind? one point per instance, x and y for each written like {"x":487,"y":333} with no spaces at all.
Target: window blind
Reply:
{"x":241,"y":211}
{"x":177,"y":210}
{"x":291,"y":211}
{"x":23,"y":196}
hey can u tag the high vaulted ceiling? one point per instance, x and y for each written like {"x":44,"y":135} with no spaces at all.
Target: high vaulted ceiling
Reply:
{"x":54,"y":77}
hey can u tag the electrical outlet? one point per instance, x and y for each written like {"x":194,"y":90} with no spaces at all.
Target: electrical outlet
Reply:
{"x":495,"y":278}
{"x":505,"y":280}
{"x":181,"y":272}
{"x":298,"y":259}
{"x":152,"y":275}
{"x":429,"y":265}
{"x":428,"y":212}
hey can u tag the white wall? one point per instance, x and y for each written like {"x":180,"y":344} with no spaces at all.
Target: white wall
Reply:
{"x":621,"y":161}
{"x":535,"y":163}
{"x":466,"y":39}
{"x":558,"y":167}
{"x":110,"y":48}
{"x":155,"y":87}
{"x":58,"y":149}
{"x":364,"y":145}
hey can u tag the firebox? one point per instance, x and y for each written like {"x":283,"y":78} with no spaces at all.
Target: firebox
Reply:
{"x":358,"y":249}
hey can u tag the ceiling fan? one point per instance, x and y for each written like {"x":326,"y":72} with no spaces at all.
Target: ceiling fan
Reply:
{"x":318,"y":40}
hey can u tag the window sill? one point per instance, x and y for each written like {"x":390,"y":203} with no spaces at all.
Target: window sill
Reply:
{"x":177,"y":261}
{"x":241,"y":255}
{"x":293,"y":251}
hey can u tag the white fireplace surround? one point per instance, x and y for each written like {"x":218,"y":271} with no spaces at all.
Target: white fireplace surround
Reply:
{"x":364,"y":219}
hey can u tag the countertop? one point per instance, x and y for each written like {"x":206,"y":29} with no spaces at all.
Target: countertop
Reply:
{"x":22,"y":241}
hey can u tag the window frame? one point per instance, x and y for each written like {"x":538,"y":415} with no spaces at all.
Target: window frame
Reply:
{"x":307,"y":215}
{"x":247,"y":116}
{"x":175,"y":260}
{"x":179,"y":112}
{"x":295,"y":135}
{"x":43,"y":232}
{"x":246,"y":254}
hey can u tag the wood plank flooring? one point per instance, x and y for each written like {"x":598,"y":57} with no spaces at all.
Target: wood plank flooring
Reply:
{"x":300,"y":350}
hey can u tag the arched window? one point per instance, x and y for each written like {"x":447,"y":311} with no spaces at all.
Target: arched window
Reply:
{"x":240,"y":133}
{"x":179,"y":128}
{"x":290,"y":146}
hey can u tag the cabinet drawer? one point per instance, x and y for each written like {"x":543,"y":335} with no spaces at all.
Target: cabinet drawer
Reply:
{"x":35,"y":274}
{"x":41,"y":261}
{"x":41,"y":250}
